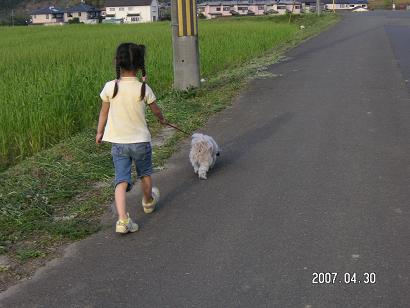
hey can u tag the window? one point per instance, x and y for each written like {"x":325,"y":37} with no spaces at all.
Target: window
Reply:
{"x":218,"y":9}
{"x":135,"y":18}
{"x":47,"y":16}
{"x":297,"y":7}
{"x":261,"y":8}
{"x":227,"y":8}
{"x":281,"y":7}
{"x":121,"y":9}
{"x":112,"y":8}
{"x":242,"y":8}
{"x":130,"y":8}
{"x":79,"y":14}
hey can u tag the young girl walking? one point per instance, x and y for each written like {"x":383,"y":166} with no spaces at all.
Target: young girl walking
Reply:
{"x":122,"y":122}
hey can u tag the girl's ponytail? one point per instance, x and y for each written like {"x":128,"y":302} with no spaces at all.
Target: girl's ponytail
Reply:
{"x":118,"y":70}
{"x":144,"y":76}
{"x":140,"y":59}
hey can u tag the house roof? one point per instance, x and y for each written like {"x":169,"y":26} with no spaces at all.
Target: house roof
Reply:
{"x":237,"y":2}
{"x":82,"y":7}
{"x":256,"y":2}
{"x":47,"y":10}
{"x":346,"y":1}
{"x":116,"y":3}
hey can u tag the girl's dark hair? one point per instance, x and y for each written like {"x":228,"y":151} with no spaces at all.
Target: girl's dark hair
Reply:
{"x":130,"y":57}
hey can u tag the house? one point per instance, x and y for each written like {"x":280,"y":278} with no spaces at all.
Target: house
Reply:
{"x":289,"y":6}
{"x":84,"y":12}
{"x":401,"y":6}
{"x":48,"y":15}
{"x":132,"y":11}
{"x":345,"y":4}
{"x":164,"y":11}
{"x":212,"y":9}
{"x":309,"y":6}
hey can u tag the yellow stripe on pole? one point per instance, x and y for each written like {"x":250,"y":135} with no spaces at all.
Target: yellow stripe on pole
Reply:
{"x":180,"y":19}
{"x":194,"y":17}
{"x":188,"y":17}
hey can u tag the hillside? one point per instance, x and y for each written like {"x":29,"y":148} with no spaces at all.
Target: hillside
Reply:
{"x":22,"y":8}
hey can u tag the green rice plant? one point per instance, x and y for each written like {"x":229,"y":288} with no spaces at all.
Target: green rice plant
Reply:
{"x":51,"y":76}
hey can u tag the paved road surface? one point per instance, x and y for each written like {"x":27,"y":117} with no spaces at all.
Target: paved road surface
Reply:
{"x":314,"y":178}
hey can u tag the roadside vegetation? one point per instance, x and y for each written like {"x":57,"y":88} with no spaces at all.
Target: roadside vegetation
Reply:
{"x":50,"y":100}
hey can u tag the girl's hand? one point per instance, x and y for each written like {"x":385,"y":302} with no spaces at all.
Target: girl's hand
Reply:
{"x":98,"y":138}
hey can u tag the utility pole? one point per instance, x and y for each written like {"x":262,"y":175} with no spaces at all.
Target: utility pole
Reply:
{"x":12,"y":17}
{"x":318,"y":8}
{"x":185,"y":44}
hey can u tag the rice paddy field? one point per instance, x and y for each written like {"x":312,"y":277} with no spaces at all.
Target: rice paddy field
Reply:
{"x":51,"y":76}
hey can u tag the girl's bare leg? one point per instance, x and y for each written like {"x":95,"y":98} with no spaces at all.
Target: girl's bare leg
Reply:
{"x":146,"y":185}
{"x":120,"y":201}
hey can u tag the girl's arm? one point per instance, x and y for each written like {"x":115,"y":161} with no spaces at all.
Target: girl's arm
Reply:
{"x":105,"y":107}
{"x":157,"y":112}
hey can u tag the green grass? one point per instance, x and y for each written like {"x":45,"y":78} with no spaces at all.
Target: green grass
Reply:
{"x":57,"y":195}
{"x":26,"y":254}
{"x":386,"y":4}
{"x":52,"y":76}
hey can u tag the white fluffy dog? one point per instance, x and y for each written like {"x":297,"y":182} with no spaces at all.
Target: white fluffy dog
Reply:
{"x":204,"y":151}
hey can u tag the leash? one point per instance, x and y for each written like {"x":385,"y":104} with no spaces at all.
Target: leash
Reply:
{"x":177,"y":128}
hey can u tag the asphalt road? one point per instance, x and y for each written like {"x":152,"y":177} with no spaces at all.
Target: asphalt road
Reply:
{"x":314,"y":177}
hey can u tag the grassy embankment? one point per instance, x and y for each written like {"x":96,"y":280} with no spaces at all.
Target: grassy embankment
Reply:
{"x":386,"y":4}
{"x":50,"y":84}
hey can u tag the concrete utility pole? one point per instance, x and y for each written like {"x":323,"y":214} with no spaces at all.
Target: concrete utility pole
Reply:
{"x":318,"y":7}
{"x":12,"y":18}
{"x":185,"y":44}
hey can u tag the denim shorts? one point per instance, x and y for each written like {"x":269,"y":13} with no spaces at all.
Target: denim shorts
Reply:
{"x":123,"y":154}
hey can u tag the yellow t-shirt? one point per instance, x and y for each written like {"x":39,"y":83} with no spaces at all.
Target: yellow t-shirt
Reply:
{"x":126,"y":118}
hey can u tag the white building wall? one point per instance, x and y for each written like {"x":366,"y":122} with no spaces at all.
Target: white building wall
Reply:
{"x":42,"y":19}
{"x":344,"y":6}
{"x":146,"y":13}
{"x":154,"y":10}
